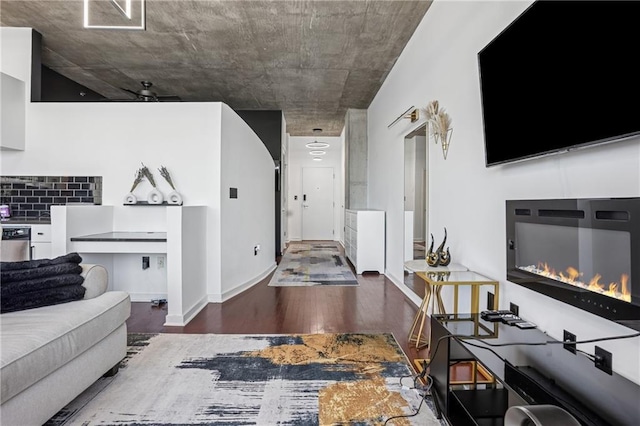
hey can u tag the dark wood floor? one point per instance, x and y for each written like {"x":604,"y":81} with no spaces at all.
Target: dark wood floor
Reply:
{"x":375,"y":306}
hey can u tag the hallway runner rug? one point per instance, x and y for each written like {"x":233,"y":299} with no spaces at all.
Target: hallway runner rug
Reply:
{"x":297,"y":379}
{"x":312,"y":264}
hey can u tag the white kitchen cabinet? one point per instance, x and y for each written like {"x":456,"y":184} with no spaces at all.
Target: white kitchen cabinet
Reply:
{"x":364,"y":239}
{"x":40,"y":241}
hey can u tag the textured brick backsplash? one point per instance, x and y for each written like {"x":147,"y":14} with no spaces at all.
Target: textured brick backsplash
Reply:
{"x":32,"y":196}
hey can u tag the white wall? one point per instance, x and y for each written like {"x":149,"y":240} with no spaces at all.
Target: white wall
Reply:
{"x":440,"y":62}
{"x":248,"y":220}
{"x":299,"y":158}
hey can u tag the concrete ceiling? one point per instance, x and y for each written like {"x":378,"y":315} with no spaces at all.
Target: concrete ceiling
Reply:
{"x":311,"y":59}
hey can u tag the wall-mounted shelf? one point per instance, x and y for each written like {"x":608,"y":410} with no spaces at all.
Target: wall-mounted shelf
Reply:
{"x":146,"y":203}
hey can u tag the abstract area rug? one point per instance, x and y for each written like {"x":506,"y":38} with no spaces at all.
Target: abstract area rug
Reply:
{"x":311,"y":264}
{"x":307,"y":379}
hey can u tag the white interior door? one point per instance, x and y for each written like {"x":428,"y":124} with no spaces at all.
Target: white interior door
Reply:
{"x":317,"y":203}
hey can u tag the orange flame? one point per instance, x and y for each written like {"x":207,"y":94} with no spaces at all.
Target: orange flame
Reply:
{"x":573,"y":276}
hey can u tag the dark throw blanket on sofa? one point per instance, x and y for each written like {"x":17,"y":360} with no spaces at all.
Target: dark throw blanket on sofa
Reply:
{"x":37,"y":263}
{"x":42,"y":282}
{"x":42,"y":272}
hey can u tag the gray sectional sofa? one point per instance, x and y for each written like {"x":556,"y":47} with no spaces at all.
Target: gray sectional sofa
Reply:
{"x":51,"y":354}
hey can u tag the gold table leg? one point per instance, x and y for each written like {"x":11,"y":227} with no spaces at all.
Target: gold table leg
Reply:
{"x":420,"y":318}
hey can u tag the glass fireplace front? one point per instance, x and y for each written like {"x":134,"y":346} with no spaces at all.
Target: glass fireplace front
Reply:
{"x":578,"y":251}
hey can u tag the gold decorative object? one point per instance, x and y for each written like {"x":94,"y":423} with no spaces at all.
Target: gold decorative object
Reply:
{"x":444,"y":257}
{"x":440,"y":125}
{"x":439,"y":257}
{"x":445,"y":139}
{"x":415,"y":114}
{"x":432,"y":257}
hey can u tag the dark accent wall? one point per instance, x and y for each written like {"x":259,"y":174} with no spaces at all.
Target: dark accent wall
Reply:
{"x":268,"y":126}
{"x":36,"y":64}
{"x":58,"y":88}
{"x":32,"y":196}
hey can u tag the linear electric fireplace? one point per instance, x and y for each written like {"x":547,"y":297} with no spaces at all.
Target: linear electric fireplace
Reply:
{"x":584,"y":252}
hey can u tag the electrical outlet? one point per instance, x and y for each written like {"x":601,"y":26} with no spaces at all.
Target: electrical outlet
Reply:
{"x":145,"y":262}
{"x":490,"y":300}
{"x":569,"y":337}
{"x":604,"y":360}
{"x":514,"y":308}
{"x":160,"y":262}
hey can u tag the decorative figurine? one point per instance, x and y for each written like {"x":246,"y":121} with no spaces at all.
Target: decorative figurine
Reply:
{"x":444,"y":257}
{"x":432,"y":257}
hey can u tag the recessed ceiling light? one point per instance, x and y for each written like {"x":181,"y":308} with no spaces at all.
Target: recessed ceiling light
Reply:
{"x":317,"y":144}
{"x":317,"y":159}
{"x":317,"y":152}
{"x":317,"y":130}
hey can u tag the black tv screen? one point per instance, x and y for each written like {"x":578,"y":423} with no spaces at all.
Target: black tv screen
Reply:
{"x":563,"y":75}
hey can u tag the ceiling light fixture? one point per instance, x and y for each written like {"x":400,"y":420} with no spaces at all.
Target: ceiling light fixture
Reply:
{"x":317,"y":159}
{"x":126,"y":12}
{"x":317,"y":152}
{"x":317,"y":130}
{"x":317,"y":144}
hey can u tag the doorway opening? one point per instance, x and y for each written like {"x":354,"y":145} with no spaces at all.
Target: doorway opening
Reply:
{"x":416,"y":201}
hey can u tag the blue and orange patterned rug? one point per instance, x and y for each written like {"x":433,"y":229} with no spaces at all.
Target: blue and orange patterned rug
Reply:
{"x":214,"y":379}
{"x":311,"y":264}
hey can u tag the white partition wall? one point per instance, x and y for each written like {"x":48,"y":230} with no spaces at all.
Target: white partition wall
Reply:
{"x":186,"y":263}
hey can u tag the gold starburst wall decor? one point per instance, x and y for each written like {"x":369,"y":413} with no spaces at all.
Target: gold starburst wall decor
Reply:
{"x":439,"y":125}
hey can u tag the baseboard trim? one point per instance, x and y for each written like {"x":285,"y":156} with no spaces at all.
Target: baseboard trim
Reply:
{"x":219,"y":298}
{"x":146,"y":297}
{"x":182,"y":320}
{"x":404,"y":289}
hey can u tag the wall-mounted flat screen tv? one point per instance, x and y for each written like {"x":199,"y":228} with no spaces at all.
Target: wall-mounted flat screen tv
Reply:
{"x":562,"y":76}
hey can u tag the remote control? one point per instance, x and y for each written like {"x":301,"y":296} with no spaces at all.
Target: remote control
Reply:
{"x":525,"y":325}
{"x":493,"y":315}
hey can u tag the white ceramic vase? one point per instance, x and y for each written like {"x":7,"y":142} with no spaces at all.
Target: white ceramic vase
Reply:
{"x":130,"y":199}
{"x":155,"y":197}
{"x":174,"y":198}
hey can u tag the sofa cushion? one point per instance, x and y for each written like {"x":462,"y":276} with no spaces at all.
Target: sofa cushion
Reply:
{"x":38,"y":341}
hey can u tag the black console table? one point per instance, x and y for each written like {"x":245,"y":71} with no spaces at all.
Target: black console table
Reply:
{"x":520,"y":375}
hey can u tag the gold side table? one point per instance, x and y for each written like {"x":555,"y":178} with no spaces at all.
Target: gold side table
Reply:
{"x":420,"y":265}
{"x":434,"y":282}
